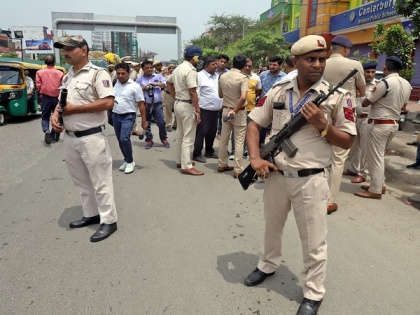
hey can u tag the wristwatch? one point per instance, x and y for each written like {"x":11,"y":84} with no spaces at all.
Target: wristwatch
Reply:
{"x":325,"y":131}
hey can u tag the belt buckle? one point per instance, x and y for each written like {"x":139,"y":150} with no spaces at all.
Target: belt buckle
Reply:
{"x":293,"y":174}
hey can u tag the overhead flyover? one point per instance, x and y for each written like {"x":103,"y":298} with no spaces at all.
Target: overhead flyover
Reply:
{"x":108,"y":23}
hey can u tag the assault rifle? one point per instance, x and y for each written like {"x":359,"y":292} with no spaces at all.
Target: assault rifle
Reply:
{"x":62,"y":104}
{"x":281,"y":141}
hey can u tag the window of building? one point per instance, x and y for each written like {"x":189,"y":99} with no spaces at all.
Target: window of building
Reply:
{"x":285,"y":27}
{"x":273,"y":31}
{"x":312,"y":12}
{"x":297,"y":23}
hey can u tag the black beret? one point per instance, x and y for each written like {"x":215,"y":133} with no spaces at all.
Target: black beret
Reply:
{"x":342,"y":41}
{"x":370,"y":65}
{"x":395,"y":61}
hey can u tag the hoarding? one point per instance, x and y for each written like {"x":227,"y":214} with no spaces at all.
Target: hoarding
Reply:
{"x":39,"y":46}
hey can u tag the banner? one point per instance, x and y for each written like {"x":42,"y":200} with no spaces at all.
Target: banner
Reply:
{"x":39,"y":46}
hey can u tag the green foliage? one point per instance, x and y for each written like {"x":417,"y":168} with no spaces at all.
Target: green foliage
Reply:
{"x":224,"y":30}
{"x":260,"y":46}
{"x":363,"y":59}
{"x":11,"y":54}
{"x":394,"y":41}
{"x":410,"y":9}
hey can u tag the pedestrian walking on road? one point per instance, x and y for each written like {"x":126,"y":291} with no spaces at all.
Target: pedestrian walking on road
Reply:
{"x":48,"y":82}
{"x":86,"y":150}
{"x":128,"y":97}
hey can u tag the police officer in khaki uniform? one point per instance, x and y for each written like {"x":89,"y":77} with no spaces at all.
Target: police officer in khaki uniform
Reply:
{"x":182,"y":85}
{"x":233,"y":88}
{"x":157,"y":65}
{"x":338,"y":66}
{"x":87,"y":154}
{"x":386,"y":100}
{"x":357,"y":156}
{"x":300,"y":183}
{"x":168,"y":103}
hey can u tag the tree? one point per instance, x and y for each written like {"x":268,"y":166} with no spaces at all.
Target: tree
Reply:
{"x":394,"y":41}
{"x":224,"y":30}
{"x":410,"y":9}
{"x":260,"y":46}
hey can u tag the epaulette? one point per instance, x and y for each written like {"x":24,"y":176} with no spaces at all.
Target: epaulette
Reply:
{"x":281,"y":82}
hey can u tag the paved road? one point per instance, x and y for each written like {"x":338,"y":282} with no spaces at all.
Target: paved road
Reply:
{"x":184,"y":244}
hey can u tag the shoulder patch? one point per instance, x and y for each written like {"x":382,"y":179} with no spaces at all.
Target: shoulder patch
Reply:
{"x":282,"y":82}
{"x":261,"y":101}
{"x":348,"y":113}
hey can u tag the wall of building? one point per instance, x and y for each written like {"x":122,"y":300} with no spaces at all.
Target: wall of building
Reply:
{"x":355,"y":19}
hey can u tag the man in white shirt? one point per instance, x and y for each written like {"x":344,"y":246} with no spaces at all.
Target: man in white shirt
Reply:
{"x":210,"y":105}
{"x":128,"y":97}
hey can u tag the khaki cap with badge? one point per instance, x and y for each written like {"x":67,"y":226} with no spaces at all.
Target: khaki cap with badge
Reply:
{"x":156,"y":63}
{"x":70,"y":41}
{"x":308,"y":44}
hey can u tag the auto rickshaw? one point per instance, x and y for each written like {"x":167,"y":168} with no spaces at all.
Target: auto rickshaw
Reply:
{"x":13,"y":96}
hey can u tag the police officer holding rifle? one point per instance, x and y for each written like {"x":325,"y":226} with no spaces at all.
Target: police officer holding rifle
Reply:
{"x":300,"y":179}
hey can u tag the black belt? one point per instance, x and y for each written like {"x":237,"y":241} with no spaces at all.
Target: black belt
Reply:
{"x":130,"y":113}
{"x":84,"y":133}
{"x":301,"y":173}
{"x":157,"y":103}
{"x":185,"y":101}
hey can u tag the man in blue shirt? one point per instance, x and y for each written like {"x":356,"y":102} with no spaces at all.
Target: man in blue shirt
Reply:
{"x":272,"y":75}
{"x":152,"y":85}
{"x":268,"y":78}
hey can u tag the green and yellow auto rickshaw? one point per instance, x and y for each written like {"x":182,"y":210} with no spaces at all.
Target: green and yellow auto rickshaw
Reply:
{"x":14,"y":99}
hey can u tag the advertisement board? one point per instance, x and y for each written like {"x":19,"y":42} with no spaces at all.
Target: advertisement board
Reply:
{"x":39,"y":46}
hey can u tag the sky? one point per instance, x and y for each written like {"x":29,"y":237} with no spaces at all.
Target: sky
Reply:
{"x":192,"y":16}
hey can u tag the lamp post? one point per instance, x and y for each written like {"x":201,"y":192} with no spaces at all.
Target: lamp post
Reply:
{"x":19,"y":35}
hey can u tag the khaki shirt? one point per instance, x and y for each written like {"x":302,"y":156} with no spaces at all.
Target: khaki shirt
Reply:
{"x":232,"y":84}
{"x":133,"y":75}
{"x":183,"y":78}
{"x":81,"y":91}
{"x":389,"y":106}
{"x":360,"y":109}
{"x":313,"y":151}
{"x":338,"y":67}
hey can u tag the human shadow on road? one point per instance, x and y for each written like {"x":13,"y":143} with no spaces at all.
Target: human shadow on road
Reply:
{"x":72,"y":214}
{"x":235,"y":267}
{"x":169,"y":163}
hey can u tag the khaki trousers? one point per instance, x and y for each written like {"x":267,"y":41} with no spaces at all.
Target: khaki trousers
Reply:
{"x":379,"y":137}
{"x":307,"y":196}
{"x":354,"y":159}
{"x":185,"y":133}
{"x":89,"y":162}
{"x":168,"y":105}
{"x":238,"y":125}
{"x":339,"y":157}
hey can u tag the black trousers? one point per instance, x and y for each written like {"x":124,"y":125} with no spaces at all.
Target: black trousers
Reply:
{"x":206,"y":130}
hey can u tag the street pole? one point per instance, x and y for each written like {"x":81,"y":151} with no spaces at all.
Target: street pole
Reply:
{"x":21,"y":49}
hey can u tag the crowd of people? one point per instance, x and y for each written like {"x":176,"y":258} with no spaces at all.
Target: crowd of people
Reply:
{"x":241,"y":107}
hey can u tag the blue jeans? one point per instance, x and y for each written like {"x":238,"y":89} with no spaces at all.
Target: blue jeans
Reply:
{"x":123,"y":125}
{"x":48,"y":105}
{"x":159,"y":118}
